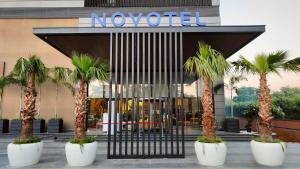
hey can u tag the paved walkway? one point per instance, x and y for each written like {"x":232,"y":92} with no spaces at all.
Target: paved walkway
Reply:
{"x":239,"y":157}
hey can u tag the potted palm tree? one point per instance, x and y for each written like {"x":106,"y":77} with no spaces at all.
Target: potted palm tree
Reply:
{"x":4,"y":123}
{"x":210,"y":65}
{"x":250,"y":114}
{"x":59,"y":76}
{"x":81,"y":150}
{"x":15,"y":124}
{"x":266,"y":150}
{"x":27,"y":149}
{"x":231,"y":124}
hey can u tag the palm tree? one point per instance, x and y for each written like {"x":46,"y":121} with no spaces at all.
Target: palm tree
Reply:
{"x":209,"y":65}
{"x":86,"y":69}
{"x":60,"y":75}
{"x":263,"y":65}
{"x":29,"y":70}
{"x":40,"y":81}
{"x":3,"y":82}
{"x":233,"y":81}
{"x":15,"y":80}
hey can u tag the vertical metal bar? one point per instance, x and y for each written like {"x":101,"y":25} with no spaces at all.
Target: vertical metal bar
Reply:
{"x":127,"y":88}
{"x":121,"y":96}
{"x":138,"y":95}
{"x":182,"y":92}
{"x":149,"y":92}
{"x":116,"y":93}
{"x":154,"y":90}
{"x":143,"y":88}
{"x":133,"y":94}
{"x":176,"y":95}
{"x":171,"y":94}
{"x":166,"y":93}
{"x":110,"y":93}
{"x":160,"y":112}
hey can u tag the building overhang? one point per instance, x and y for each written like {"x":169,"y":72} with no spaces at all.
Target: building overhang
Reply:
{"x":95,"y":41}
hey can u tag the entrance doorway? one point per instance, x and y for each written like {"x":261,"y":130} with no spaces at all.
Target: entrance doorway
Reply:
{"x":145,"y":110}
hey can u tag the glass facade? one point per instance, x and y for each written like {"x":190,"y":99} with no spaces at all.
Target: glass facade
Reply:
{"x":99,"y":94}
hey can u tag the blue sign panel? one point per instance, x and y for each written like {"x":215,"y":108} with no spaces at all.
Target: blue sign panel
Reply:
{"x":153,"y":19}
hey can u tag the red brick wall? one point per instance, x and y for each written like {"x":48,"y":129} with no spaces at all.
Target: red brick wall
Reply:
{"x":287,"y":130}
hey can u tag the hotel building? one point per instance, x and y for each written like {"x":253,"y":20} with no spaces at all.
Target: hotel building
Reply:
{"x":145,"y":42}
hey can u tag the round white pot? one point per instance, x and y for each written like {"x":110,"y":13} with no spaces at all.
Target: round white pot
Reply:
{"x":210,"y":154}
{"x":268,"y":154}
{"x":24,"y":154}
{"x":81,"y":156}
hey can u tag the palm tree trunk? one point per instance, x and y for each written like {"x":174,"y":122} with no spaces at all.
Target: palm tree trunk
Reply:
{"x":80,"y":112}
{"x":29,"y":108}
{"x":40,"y":101}
{"x":231,"y":104}
{"x":1,"y":103}
{"x":21,"y":101}
{"x":265,"y":115}
{"x":55,"y":106}
{"x":208,"y":118}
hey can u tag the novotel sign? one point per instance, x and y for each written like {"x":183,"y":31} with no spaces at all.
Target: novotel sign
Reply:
{"x":153,"y":19}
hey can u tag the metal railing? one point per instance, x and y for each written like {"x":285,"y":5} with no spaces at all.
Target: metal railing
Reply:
{"x":146,"y":3}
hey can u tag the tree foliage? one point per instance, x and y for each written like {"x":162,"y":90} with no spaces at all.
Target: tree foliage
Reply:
{"x":60,"y":76}
{"x":207,"y":62}
{"x":88,"y":68}
{"x":24,"y":67}
{"x":246,"y":94}
{"x":288,"y":99}
{"x":285,"y":103}
{"x":268,"y":63}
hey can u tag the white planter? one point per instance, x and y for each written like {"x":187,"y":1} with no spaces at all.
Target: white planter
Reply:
{"x":268,"y":154}
{"x":83,"y":156}
{"x":210,"y":154}
{"x":24,"y":154}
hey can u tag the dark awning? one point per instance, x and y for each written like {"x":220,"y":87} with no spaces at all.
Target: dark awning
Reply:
{"x":95,"y":41}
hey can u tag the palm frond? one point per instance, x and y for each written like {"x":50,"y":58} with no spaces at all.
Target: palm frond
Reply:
{"x":244,"y":65}
{"x":292,"y":65}
{"x":88,"y":68}
{"x":277,"y":57}
{"x":61,"y":75}
{"x":207,"y":62}
{"x":268,"y":63}
{"x":24,"y":67}
{"x":236,"y":79}
{"x":20,"y":70}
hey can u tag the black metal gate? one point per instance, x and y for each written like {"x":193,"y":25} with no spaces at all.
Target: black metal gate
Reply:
{"x":145,"y":118}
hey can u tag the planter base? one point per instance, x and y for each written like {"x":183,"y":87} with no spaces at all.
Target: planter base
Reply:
{"x":232,"y":125}
{"x":210,"y":154}
{"x":55,"y":126}
{"x":268,"y":154}
{"x":4,"y":125}
{"x":39,"y":126}
{"x":15,"y":126}
{"x":81,"y":156}
{"x":24,"y":154}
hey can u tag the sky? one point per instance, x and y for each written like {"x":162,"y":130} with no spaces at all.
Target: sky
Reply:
{"x":282,"y":20}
